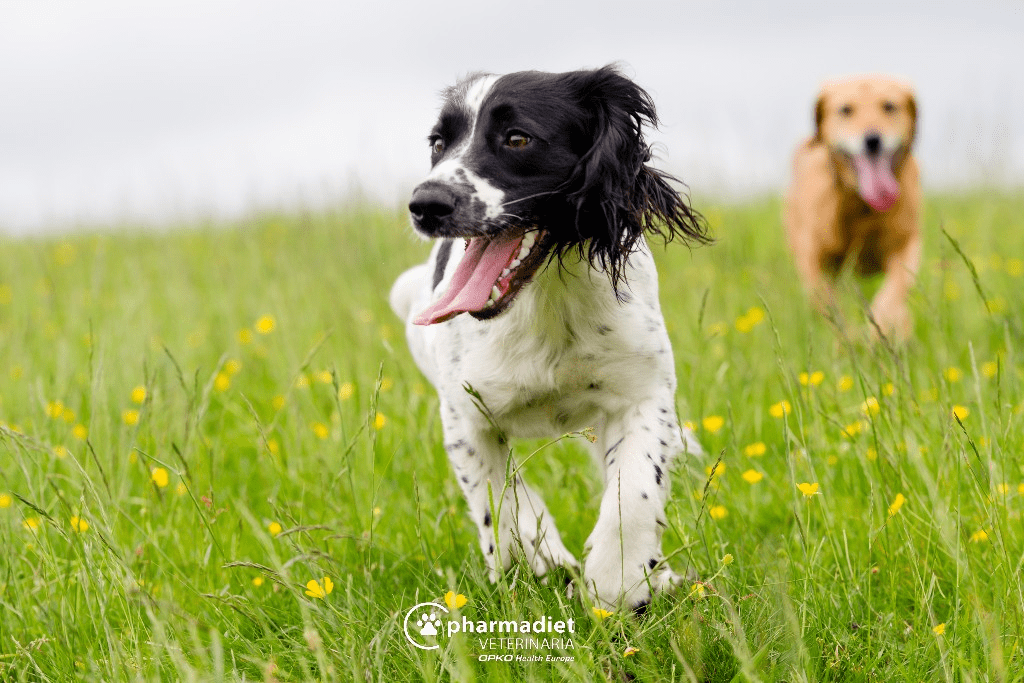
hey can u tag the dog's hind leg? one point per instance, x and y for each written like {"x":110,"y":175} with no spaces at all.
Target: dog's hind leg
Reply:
{"x":624,"y":566}
{"x":507,"y":512}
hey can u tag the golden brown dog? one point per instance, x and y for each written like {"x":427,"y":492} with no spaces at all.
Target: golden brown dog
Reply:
{"x":855,"y":197}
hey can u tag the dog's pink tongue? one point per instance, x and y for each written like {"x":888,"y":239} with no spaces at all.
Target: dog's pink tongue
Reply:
{"x":875,"y":181}
{"x":472,"y":281}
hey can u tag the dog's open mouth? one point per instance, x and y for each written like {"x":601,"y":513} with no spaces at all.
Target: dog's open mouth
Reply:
{"x":876,"y":183}
{"x":489,"y":277}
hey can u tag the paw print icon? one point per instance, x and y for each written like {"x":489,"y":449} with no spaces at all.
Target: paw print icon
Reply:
{"x":424,"y":621}
{"x":429,"y":623}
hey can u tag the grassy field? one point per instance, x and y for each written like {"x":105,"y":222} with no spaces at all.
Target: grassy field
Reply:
{"x":195,"y":425}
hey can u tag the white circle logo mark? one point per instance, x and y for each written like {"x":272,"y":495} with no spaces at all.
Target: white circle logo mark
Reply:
{"x":424,"y":620}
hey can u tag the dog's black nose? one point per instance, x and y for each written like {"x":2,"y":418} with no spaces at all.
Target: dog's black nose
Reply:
{"x":873,"y":143}
{"x":431,"y":202}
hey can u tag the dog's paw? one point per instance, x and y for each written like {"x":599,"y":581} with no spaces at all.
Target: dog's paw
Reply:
{"x":613,"y":584}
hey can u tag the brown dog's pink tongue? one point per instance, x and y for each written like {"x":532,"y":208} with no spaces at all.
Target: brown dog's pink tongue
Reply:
{"x":875,"y":181}
{"x":472,"y":281}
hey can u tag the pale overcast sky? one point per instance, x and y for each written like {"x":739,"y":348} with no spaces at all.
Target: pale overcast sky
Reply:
{"x":156,"y":111}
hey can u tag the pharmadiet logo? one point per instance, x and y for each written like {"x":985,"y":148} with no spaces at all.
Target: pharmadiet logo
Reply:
{"x":423,"y":624}
{"x":428,"y":622}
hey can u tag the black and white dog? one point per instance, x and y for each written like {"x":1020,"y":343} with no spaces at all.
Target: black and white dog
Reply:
{"x":540,"y":195}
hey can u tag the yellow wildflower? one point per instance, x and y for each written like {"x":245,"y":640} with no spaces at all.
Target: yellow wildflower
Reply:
{"x":245,"y":336}
{"x":870,"y":406}
{"x":1003,"y":489}
{"x":80,"y":432}
{"x":138,"y":394}
{"x":690,"y":425}
{"x":896,"y":504}
{"x":321,"y":430}
{"x":602,"y":613}
{"x":953,"y":374}
{"x":222,"y":382}
{"x":812,"y":379}
{"x":160,"y":476}
{"x":275,"y":528}
{"x":454,"y":601}
{"x":752,"y":476}
{"x":232,"y":366}
{"x":630,"y":651}
{"x":345,"y":391}
{"x":871,"y":454}
{"x":257,"y":581}
{"x":273,"y":446}
{"x":31,"y":523}
{"x":266,"y":324}
{"x":961,"y":412}
{"x":808,"y":489}
{"x":318,"y":589}
{"x":990,"y":368}
{"x":780,"y":409}
{"x":727,"y":559}
{"x":60,"y":451}
{"x":697,"y":590}
{"x":716,"y":471}
{"x":939,"y":629}
{"x":979,"y":536}
{"x":181,"y":489}
{"x":379,"y":420}
{"x":888,"y":389}
{"x":130,"y":417}
{"x":1014,"y":267}
{"x":80,"y":525}
{"x":718,"y":512}
{"x":755,"y":449}
{"x":277,"y":402}
{"x":845,"y":383}
{"x":5,"y":500}
{"x":324,"y":377}
{"x":712,"y":423}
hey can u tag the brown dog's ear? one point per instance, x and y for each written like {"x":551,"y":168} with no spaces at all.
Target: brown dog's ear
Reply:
{"x":819,"y":117}
{"x":912,"y":108}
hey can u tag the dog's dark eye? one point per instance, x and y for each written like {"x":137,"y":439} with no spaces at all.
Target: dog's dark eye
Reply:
{"x":846,"y":110}
{"x":889,"y":107}
{"x":517,"y":140}
{"x":436,"y":145}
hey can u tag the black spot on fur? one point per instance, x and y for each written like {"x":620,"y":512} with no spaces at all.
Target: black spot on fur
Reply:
{"x":490,"y":549}
{"x":643,"y":495}
{"x":652,"y":563}
{"x":603,"y":329}
{"x":657,"y":475}
{"x":487,"y":518}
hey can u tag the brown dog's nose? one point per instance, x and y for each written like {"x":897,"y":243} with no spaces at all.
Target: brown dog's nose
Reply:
{"x":873,"y":143}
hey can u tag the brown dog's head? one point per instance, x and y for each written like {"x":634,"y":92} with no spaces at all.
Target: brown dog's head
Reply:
{"x":868,"y":124}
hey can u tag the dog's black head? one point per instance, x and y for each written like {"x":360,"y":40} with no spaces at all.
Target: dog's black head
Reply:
{"x":533,"y":165}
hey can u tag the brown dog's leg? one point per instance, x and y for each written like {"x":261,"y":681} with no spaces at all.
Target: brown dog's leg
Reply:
{"x":889,"y":309}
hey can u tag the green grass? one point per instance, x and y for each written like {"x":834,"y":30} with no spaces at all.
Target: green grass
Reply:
{"x":324,"y":426}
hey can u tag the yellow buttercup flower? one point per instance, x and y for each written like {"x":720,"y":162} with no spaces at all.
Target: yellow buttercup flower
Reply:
{"x":780,"y":409}
{"x":808,"y":489}
{"x":755,"y":449}
{"x":266,"y":324}
{"x":232,"y":366}
{"x":5,"y":500}
{"x":716,"y":471}
{"x":845,"y":383}
{"x":181,"y":489}
{"x":961,"y":412}
{"x":319,"y":589}
{"x":718,"y":512}
{"x":79,"y":525}
{"x":888,"y":389}
{"x":130,"y":417}
{"x":990,"y":368}
{"x":871,"y":454}
{"x":979,"y":536}
{"x":325,"y":377}
{"x":870,"y":406}
{"x":752,"y":476}
{"x":602,"y":613}
{"x":31,"y":523}
{"x":275,"y":528}
{"x":852,"y":429}
{"x":245,"y":336}
{"x":138,"y":394}
{"x":160,"y":476}
{"x":939,"y":629}
{"x":277,"y":402}
{"x":712,"y":423}
{"x":379,"y":420}
{"x":953,"y":374}
{"x":812,"y":379}
{"x":697,"y":590}
{"x":60,"y":451}
{"x":454,"y":601}
{"x":257,"y":581}
{"x":690,"y":425}
{"x":222,"y":382}
{"x":896,"y":504}
{"x":345,"y":391}
{"x":630,"y":651}
{"x":321,"y":430}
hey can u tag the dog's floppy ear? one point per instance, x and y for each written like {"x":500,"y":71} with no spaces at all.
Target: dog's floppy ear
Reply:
{"x":912,"y":109}
{"x":614,"y":195}
{"x":819,"y":117}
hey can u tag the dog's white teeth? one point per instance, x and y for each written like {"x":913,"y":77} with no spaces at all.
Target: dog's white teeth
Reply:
{"x":495,"y":292}
{"x":523,"y":253}
{"x":505,"y":272}
{"x":529,"y":239}
{"x":490,"y":302}
{"x":514,"y":264}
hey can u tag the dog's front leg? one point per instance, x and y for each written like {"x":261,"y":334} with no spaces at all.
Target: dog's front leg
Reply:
{"x":480,"y":456}
{"x":889,"y":308}
{"x":624,"y":565}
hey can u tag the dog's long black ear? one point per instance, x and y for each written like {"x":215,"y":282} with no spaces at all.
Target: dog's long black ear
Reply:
{"x":616,"y":196}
